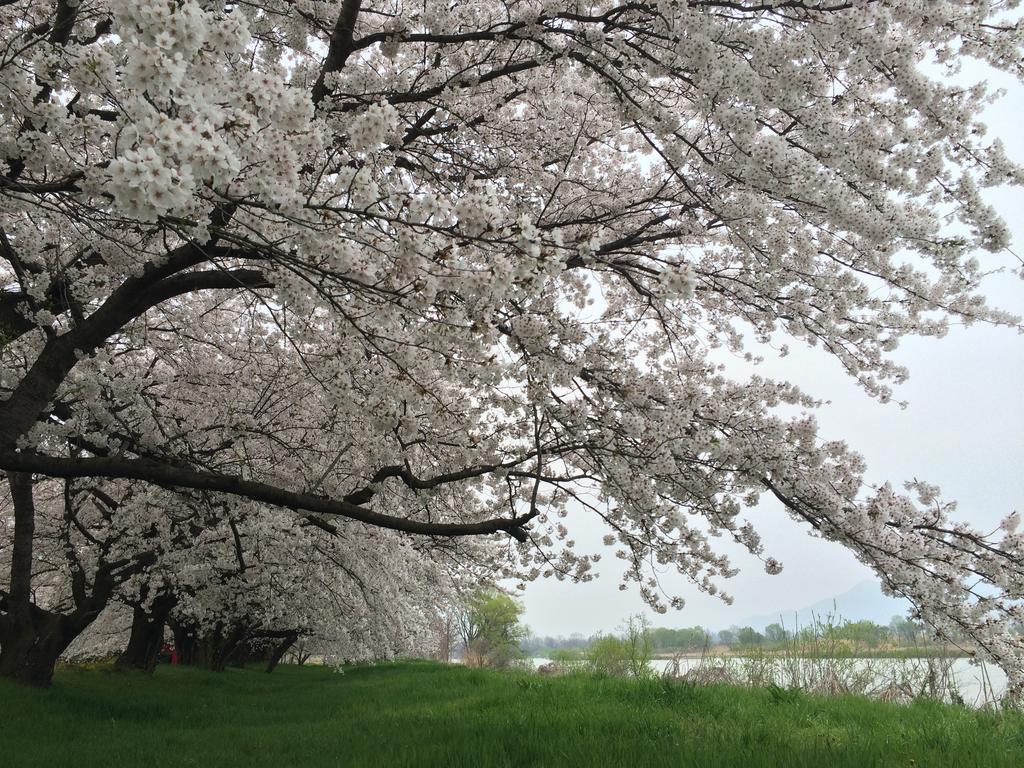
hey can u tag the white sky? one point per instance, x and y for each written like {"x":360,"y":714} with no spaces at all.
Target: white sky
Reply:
{"x":962,"y":430}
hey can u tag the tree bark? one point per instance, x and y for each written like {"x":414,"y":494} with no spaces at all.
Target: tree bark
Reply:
{"x":185,"y":643}
{"x":147,"y":635}
{"x":29,"y":654}
{"x":31,"y":639}
{"x":226,"y":647}
{"x":213,"y":650}
{"x":159,"y":473}
{"x":24,"y":539}
{"x":30,"y":647}
{"x":280,"y":650}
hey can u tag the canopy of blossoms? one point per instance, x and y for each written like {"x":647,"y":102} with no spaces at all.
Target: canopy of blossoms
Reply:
{"x":452,"y":269}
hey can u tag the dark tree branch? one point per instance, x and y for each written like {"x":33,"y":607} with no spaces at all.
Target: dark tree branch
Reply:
{"x":131,"y":299}
{"x":67,"y":184}
{"x":184,"y":477}
{"x":341,"y":46}
{"x":410,"y":480}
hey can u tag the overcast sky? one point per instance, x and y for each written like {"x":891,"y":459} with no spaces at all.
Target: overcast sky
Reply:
{"x":962,"y":430}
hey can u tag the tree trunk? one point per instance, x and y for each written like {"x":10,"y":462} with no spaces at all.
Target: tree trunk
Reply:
{"x":147,"y":636}
{"x":29,"y":652}
{"x":30,"y":659}
{"x":185,"y":643}
{"x":280,"y":650}
{"x":20,"y":598}
{"x":226,"y":646}
{"x":31,"y":640}
{"x":213,"y":651}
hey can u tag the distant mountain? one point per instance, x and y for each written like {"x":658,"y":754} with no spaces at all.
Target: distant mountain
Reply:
{"x":864,"y":601}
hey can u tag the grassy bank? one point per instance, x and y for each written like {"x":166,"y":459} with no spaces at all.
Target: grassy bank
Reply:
{"x":420,"y":714}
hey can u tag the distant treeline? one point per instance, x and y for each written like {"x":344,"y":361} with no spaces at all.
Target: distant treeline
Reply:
{"x":900,"y":632}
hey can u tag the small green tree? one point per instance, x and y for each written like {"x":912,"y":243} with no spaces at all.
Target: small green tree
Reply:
{"x":776,"y":633}
{"x":489,"y":626}
{"x":905,"y":630}
{"x":863,"y":633}
{"x":626,"y":655}
{"x":638,"y":645}
{"x":608,"y":655}
{"x":749,"y":636}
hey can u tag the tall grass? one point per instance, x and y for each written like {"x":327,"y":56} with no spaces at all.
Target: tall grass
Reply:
{"x":418,"y":714}
{"x":818,"y":659}
{"x":821,"y":662}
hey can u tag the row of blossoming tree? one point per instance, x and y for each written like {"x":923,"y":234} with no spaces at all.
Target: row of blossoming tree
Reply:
{"x":312,"y":311}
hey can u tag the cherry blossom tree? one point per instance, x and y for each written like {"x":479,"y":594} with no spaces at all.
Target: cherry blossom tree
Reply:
{"x":354,"y":595}
{"x":228,"y":580}
{"x":450,"y":269}
{"x":79,"y":558}
{"x":227,"y":573}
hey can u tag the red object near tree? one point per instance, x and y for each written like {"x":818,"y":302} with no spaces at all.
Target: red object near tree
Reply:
{"x":171,"y":651}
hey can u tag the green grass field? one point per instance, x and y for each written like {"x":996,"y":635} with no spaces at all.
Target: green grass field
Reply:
{"x":422,"y":714}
